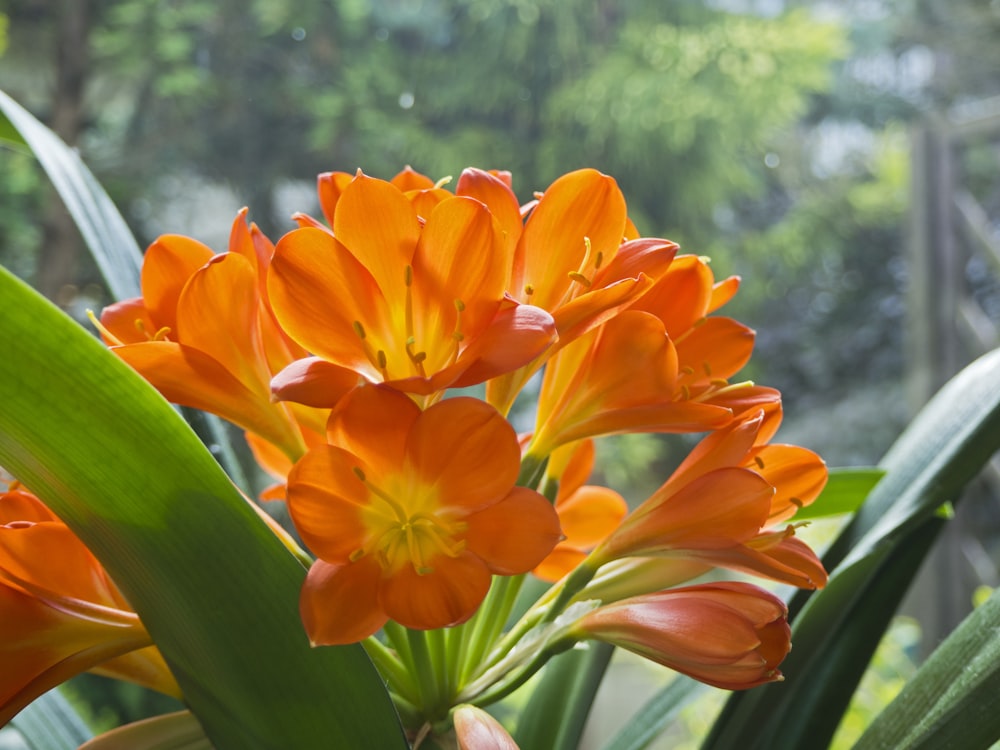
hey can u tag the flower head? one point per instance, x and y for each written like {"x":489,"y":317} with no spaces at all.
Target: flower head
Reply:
{"x":730,"y":635}
{"x":417,"y":302}
{"x":60,"y":613}
{"x":411,"y":513}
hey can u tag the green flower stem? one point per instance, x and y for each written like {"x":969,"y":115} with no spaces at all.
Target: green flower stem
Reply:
{"x":398,"y":638}
{"x":488,"y":622}
{"x":532,"y":470}
{"x":429,"y":687}
{"x":437,"y":646}
{"x":483,"y":695}
{"x":391,"y":668}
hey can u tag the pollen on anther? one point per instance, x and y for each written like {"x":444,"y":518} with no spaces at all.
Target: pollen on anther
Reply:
{"x":382,"y":361}
{"x":359,"y":473}
{"x":529,"y":289}
{"x":356,"y":555}
{"x":358,"y":329}
{"x":759,"y":461}
{"x":459,"y":305}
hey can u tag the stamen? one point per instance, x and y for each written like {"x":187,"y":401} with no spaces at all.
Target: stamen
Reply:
{"x":115,"y":341}
{"x":442,"y":182}
{"x":579,"y":278}
{"x":759,"y":461}
{"x":357,"y":554}
{"x":358,"y":473}
{"x":529,"y":290}
{"x":796,"y":502}
{"x":687,"y":370}
{"x":382,"y":363}
{"x":359,"y":329}
{"x":707,"y":368}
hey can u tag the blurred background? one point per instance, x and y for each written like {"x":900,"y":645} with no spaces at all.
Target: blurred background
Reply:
{"x":841,"y":157}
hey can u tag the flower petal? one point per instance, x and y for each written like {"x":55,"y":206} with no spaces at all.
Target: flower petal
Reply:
{"x":314,"y":382}
{"x":515,"y":534}
{"x":501,"y":201}
{"x":467,"y":449}
{"x":330,"y":186}
{"x":166,"y":267}
{"x":448,"y":595}
{"x":374,"y":423}
{"x":588,"y":515}
{"x":798,"y":476}
{"x":326,"y":500}
{"x":477,"y":730}
{"x":339,"y":603}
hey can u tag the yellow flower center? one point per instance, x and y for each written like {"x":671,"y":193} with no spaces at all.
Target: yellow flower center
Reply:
{"x":403,"y":528}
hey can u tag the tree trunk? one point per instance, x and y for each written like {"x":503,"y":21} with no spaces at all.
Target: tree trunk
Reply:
{"x":59,"y":257}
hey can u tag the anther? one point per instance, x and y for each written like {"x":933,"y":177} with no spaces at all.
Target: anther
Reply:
{"x":707,"y":367}
{"x":380,"y":358}
{"x":687,"y":370}
{"x":529,"y":289}
{"x":359,"y":329}
{"x":579,"y":278}
{"x":408,"y":275}
{"x":356,"y":555}
{"x":359,"y":473}
{"x":796,"y":502}
{"x":759,"y":461}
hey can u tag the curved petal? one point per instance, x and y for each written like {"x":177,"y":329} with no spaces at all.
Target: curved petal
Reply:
{"x":514,"y":535}
{"x":166,"y":267}
{"x":218,"y":312}
{"x":327,"y":500}
{"x":787,"y":560}
{"x":590,"y":514}
{"x":319,"y":291}
{"x":587,"y":311}
{"x":718,"y":510}
{"x":650,"y":256}
{"x":579,"y":463}
{"x":189,"y":377}
{"x":728,"y":446}
{"x":329,"y":186}
{"x":798,"y":476}
{"x":681,"y":296}
{"x":560,"y":562}
{"x":467,"y":449}
{"x":448,"y":595}
{"x":722,"y":292}
{"x":717,"y":348}
{"x":578,"y":205}
{"x":502,"y":203}
{"x":458,"y":257}
{"x":409,"y":179}
{"x":128,"y":322}
{"x":379,"y":226}
{"x":374,"y":423}
{"x":516,"y":336}
{"x":339,"y":603}
{"x":314,"y":382}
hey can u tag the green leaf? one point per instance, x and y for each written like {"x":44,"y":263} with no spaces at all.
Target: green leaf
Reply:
{"x":657,"y":713}
{"x":176,"y":731}
{"x":951,"y":701}
{"x":103,"y":229}
{"x":216,"y":589}
{"x":50,"y":723}
{"x":845,"y":491}
{"x":836,"y":630}
{"x":557,"y":711}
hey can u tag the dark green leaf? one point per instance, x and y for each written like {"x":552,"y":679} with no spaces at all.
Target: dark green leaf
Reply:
{"x":216,"y":589}
{"x":845,"y":491}
{"x":656,"y":714}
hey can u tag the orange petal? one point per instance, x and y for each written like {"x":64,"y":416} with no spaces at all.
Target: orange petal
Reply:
{"x":586,"y":312}
{"x":731,"y":635}
{"x":560,"y":562}
{"x":374,"y":423}
{"x":651,"y":256}
{"x":128,"y":321}
{"x":409,"y":179}
{"x":458,"y":258}
{"x":449,"y":595}
{"x":217,"y":313}
{"x":579,"y":463}
{"x":590,"y":514}
{"x":514,"y":535}
{"x":477,"y":730}
{"x":718,"y":510}
{"x":798,"y":476}
{"x":717,"y":348}
{"x":467,"y":450}
{"x":500,"y":199}
{"x":722,"y":292}
{"x":326,"y":500}
{"x":788,"y":560}
{"x":339,"y":603}
{"x":167,"y":265}
{"x":18,"y":505}
{"x":330,"y":185}
{"x":516,"y":336}
{"x":189,"y":377}
{"x":578,"y":205}
{"x":379,"y":226}
{"x":310,"y":275}
{"x":681,"y":296}
{"x":728,"y":446}
{"x":314,"y":382}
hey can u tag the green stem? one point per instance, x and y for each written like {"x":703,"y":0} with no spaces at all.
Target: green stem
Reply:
{"x":488,"y":623}
{"x":504,"y":687}
{"x":391,"y":668}
{"x":423,"y":665}
{"x":399,"y":639}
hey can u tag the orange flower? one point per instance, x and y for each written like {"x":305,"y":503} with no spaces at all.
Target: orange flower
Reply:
{"x":411,"y":512}
{"x":730,"y":635}
{"x":717,"y":507}
{"x":415,"y":302}
{"x":578,"y":258}
{"x":203,"y":335}
{"x":626,"y":376}
{"x":587,"y":513}
{"x":60,"y":613}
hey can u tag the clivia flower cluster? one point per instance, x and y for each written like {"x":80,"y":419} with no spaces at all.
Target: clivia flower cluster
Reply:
{"x":348,"y":352}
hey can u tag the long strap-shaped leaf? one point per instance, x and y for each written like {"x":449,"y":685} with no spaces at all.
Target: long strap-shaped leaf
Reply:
{"x":951,"y":701}
{"x":945,"y":446}
{"x":217,"y":591}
